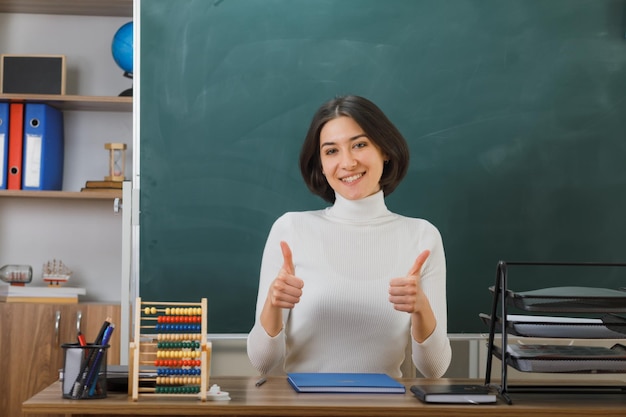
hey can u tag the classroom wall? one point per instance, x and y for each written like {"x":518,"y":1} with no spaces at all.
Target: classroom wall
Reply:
{"x":91,"y":71}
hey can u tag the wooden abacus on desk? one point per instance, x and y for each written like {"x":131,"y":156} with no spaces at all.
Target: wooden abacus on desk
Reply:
{"x":170,"y":338}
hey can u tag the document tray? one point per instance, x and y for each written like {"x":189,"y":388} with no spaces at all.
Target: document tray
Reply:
{"x":569,"y":299}
{"x":567,"y":358}
{"x":608,"y":326}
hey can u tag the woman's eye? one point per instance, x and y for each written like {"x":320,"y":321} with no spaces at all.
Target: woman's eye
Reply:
{"x":360,"y":145}
{"x":330,"y":151}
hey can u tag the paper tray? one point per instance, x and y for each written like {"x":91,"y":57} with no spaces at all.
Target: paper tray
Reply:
{"x":569,"y":299}
{"x":566,"y":358}
{"x":607,"y":327}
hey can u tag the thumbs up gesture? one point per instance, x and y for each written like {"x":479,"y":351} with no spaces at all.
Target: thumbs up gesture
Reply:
{"x":286,"y":288}
{"x":405,"y":293}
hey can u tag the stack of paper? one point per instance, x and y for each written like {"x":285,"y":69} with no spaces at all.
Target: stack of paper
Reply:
{"x":32,"y":294}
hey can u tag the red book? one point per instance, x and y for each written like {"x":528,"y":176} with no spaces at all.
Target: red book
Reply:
{"x":16,"y":144}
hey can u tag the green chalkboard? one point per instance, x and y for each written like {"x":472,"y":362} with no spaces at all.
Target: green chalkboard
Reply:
{"x":515,"y":111}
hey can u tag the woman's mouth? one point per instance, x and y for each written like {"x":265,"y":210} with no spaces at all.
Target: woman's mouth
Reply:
{"x":352,"y":178}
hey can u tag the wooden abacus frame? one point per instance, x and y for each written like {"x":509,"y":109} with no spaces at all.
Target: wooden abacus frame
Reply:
{"x":145,"y":346}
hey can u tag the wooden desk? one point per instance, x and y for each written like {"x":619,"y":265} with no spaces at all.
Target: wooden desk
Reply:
{"x":276,"y":398}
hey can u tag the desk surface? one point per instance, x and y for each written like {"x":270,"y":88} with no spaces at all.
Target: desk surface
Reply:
{"x":277,"y":398}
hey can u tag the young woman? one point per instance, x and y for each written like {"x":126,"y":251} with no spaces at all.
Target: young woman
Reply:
{"x":344,"y":289}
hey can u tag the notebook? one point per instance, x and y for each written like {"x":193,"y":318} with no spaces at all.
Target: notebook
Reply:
{"x":460,"y":393}
{"x":345,"y":382}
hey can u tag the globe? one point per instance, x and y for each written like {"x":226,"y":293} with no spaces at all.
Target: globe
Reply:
{"x":122,"y":47}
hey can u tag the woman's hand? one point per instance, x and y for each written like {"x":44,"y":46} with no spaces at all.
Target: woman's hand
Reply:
{"x":286,"y":288}
{"x":406,"y":294}
{"x":284,"y":292}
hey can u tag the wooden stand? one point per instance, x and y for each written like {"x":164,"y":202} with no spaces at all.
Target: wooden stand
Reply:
{"x":169,"y":341}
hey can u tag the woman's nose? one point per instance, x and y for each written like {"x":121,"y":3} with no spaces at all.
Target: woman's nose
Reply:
{"x":348,"y":161}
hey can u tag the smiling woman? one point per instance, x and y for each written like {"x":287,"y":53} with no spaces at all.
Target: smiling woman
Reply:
{"x":338,"y":284}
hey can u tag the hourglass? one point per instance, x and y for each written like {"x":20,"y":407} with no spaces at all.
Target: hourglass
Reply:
{"x":117,"y":161}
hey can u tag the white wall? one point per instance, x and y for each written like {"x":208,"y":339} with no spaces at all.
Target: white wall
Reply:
{"x":85,"y":235}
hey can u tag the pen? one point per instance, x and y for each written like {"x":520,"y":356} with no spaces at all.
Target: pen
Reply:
{"x":260,"y":382}
{"x":105,"y":325}
{"x":95,"y":369}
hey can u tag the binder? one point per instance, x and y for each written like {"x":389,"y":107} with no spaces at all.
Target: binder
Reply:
{"x":16,"y":138}
{"x":43,"y":147}
{"x":4,"y":143}
{"x":344,"y":382}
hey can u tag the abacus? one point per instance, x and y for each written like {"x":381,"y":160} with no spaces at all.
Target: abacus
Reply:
{"x":170,"y":345}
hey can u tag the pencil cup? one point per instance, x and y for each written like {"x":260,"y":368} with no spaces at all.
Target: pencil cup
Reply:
{"x":84,"y":371}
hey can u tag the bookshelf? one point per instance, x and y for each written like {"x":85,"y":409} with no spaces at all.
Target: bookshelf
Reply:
{"x":81,"y":228}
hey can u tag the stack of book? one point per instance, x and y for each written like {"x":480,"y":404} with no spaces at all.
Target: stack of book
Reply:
{"x":112,"y":186}
{"x":33,"y":294}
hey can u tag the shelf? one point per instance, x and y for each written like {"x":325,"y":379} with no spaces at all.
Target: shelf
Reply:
{"x":77,"y":195}
{"x":119,"y":8}
{"x":72,"y":102}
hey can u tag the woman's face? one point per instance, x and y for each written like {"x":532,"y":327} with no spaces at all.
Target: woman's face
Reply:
{"x":351,"y":162}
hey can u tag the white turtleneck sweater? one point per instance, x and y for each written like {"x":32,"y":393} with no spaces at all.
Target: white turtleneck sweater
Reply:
{"x":346,"y":255}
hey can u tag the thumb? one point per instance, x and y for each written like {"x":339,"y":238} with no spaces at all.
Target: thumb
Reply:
{"x":287,"y":258}
{"x":419,"y":262}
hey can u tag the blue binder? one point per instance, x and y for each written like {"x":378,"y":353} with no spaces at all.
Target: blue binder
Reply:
{"x":344,"y":382}
{"x":42,"y":167}
{"x":4,"y":143}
